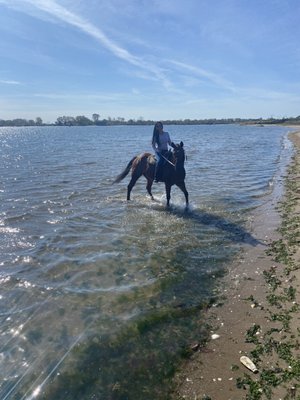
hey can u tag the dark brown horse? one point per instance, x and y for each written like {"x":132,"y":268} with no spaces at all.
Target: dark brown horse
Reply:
{"x":173,"y":171}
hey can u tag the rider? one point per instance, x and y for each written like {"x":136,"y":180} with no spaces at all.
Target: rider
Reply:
{"x":160,"y":142}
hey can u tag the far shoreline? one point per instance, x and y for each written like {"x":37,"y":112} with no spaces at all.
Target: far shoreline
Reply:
{"x":82,"y":120}
{"x":256,"y":312}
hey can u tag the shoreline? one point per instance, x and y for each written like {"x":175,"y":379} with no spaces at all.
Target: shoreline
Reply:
{"x":261,"y":312}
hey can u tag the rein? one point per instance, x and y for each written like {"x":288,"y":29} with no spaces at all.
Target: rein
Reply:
{"x":167,"y":160}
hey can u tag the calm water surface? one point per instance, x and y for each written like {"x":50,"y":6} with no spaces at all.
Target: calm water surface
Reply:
{"x":99,"y":297}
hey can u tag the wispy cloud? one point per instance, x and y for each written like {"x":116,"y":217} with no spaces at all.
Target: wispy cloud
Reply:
{"x":208,"y":75}
{"x":83,"y":96}
{"x":268,"y":94}
{"x":9,"y":82}
{"x":60,"y":13}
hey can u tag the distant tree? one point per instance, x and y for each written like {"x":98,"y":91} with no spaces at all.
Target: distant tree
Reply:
{"x":38,"y":121}
{"x":59,"y":121}
{"x":82,"y":120}
{"x":19,"y":122}
{"x":95,"y":118}
{"x":65,"y":121}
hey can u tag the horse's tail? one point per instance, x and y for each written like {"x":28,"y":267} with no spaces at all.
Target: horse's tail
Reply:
{"x":122,"y":175}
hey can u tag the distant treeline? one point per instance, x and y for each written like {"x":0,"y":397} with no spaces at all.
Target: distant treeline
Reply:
{"x":81,"y":120}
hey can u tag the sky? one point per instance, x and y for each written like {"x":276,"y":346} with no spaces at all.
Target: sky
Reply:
{"x":151,"y":59}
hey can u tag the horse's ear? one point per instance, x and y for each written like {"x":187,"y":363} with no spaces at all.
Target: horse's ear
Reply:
{"x":181,"y":144}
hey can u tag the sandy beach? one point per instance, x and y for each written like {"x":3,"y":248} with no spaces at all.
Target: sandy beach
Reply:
{"x":259,"y":316}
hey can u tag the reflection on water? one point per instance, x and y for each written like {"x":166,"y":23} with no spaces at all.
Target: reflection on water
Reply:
{"x":100,"y":298}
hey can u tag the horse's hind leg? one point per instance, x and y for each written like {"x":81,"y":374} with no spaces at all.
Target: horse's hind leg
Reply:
{"x":130,"y":185}
{"x":149,"y":187}
{"x":149,"y":173}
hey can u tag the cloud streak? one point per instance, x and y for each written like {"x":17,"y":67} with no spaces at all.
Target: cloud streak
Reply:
{"x":210,"y":76}
{"x":9,"y":82}
{"x":60,"y":13}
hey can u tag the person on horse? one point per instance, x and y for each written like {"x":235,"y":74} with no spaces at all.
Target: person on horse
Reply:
{"x":160,"y":142}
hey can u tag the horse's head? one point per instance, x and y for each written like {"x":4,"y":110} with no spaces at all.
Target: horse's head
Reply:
{"x":178,"y":152}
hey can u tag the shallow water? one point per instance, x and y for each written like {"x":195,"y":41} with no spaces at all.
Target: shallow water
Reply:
{"x":99,"y":297}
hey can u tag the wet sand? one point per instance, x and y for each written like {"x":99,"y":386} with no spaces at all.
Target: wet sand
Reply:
{"x":260,"y":316}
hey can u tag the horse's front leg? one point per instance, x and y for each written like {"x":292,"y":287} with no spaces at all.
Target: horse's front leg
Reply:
{"x":168,"y":194}
{"x":181,"y":186}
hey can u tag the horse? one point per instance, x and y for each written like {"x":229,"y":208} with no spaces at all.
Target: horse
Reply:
{"x":173,"y":172}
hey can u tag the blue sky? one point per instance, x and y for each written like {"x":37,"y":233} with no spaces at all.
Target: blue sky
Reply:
{"x":156,"y":59}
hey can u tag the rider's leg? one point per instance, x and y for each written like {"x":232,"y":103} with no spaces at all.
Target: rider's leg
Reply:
{"x":158,"y":167}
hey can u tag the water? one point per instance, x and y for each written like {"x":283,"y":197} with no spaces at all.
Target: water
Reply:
{"x":101,"y":298}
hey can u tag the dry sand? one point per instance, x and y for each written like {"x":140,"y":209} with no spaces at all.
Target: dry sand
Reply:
{"x":260,"y":316}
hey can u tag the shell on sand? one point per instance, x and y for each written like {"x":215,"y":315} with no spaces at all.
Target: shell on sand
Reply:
{"x":248,"y":363}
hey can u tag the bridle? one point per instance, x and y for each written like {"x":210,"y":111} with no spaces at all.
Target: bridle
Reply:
{"x":173,"y":165}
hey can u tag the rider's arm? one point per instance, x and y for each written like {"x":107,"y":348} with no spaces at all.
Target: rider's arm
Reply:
{"x":154,"y":146}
